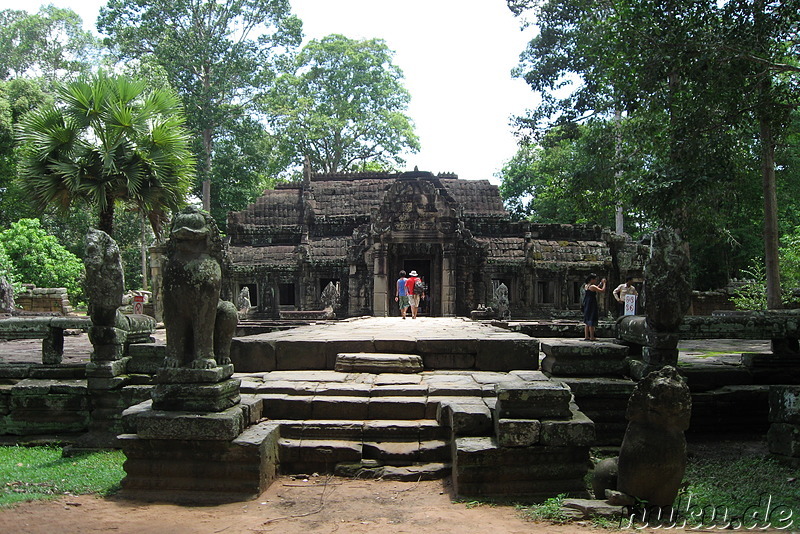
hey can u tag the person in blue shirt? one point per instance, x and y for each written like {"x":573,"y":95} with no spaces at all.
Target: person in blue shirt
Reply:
{"x":401,"y":296}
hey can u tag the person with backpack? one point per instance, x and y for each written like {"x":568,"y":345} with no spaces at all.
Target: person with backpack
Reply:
{"x":402,"y":294}
{"x":416,"y":292}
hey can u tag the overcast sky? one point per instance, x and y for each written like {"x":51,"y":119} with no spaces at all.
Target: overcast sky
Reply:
{"x":456,"y":55}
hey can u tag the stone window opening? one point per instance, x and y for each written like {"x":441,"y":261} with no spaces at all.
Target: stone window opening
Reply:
{"x":286,"y":294}
{"x":545,"y":292}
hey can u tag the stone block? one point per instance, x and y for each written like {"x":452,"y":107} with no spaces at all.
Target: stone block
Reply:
{"x":332,"y":348}
{"x":517,"y":432}
{"x":51,"y":402}
{"x":111,"y":382}
{"x":252,"y":354}
{"x":197,"y":397}
{"x":466,"y":417}
{"x":185,"y":375}
{"x":448,"y":361}
{"x":399,"y":346}
{"x":296,"y":354}
{"x":331,"y":407}
{"x":447,"y":345}
{"x":576,"y":431}
{"x":279,"y":406}
{"x":784,"y":439}
{"x":505,"y":354}
{"x":532,"y":400}
{"x":396,"y":408}
{"x":784,"y":404}
{"x":377,"y":362}
{"x":106,"y":369}
{"x":174,"y":425}
{"x":107,"y":335}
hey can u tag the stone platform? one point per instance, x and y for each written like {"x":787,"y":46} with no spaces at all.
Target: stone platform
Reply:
{"x":442,"y":343}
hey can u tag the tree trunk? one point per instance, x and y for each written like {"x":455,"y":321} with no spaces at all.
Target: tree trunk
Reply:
{"x":106,"y":218}
{"x":208,"y":144}
{"x":764,"y":111}
{"x":771,"y":261}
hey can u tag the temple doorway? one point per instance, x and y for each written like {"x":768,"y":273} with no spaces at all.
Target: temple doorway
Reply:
{"x":423,"y":268}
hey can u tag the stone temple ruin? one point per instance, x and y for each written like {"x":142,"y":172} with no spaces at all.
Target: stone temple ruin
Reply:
{"x":360,"y":230}
{"x":219,"y":416}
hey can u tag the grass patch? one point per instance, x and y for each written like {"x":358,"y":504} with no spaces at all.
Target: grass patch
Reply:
{"x":550,"y":510}
{"x":741,"y":487}
{"x":30,"y":473}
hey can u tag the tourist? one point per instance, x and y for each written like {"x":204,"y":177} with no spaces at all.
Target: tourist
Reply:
{"x":416,"y":292}
{"x":622,"y":290}
{"x":591,"y":313}
{"x":401,"y":296}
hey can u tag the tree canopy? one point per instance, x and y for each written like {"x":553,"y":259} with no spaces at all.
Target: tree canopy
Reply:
{"x":343,"y":105}
{"x":107,"y":139}
{"x":49,"y":43}
{"x":219,"y":56}
{"x":698,"y":94}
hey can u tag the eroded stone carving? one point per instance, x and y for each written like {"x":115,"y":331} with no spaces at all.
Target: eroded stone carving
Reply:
{"x":243,"y":301}
{"x":330,"y":296}
{"x":105,"y":279}
{"x":652,"y":459}
{"x":6,"y":296}
{"x":199,"y":324}
{"x":501,"y":302}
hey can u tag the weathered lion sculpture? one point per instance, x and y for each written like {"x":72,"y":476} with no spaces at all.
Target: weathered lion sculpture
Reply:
{"x":199,"y":324}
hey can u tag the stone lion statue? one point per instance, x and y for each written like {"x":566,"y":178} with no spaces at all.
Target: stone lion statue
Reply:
{"x":199,"y":324}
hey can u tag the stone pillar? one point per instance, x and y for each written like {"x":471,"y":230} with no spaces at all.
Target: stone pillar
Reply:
{"x":448,"y":296}
{"x":157,"y":253}
{"x":380,"y":290}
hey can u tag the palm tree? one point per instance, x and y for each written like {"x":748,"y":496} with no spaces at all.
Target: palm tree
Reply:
{"x":108,"y":139}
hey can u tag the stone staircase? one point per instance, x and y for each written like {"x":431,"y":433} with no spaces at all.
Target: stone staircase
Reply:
{"x":388,"y":425}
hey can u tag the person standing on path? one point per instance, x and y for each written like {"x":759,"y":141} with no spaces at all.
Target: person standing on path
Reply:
{"x":401,"y":296}
{"x":415,"y":291}
{"x":622,"y":290}
{"x":591,"y":312}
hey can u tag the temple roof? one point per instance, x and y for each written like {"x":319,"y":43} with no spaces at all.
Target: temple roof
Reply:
{"x":355,"y":195}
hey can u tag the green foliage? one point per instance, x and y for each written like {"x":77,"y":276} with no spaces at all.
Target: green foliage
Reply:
{"x":17,"y":97}
{"x":31,"y":473}
{"x":343,"y":105}
{"x":38,"y":258}
{"x":219,"y":56}
{"x":108,"y":139}
{"x":550,"y":510}
{"x":733,"y":485}
{"x":689,"y":87}
{"x":50,"y":43}
{"x":752,"y":295}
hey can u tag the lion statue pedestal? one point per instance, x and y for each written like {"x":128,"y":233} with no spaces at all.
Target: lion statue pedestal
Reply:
{"x":197,"y":371}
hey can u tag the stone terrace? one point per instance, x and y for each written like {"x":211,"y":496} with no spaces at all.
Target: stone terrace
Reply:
{"x":442,"y":343}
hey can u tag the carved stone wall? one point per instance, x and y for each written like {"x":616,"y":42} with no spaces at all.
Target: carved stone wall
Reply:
{"x":360,"y":230}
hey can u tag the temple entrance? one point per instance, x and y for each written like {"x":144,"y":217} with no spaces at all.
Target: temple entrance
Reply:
{"x":423,"y":268}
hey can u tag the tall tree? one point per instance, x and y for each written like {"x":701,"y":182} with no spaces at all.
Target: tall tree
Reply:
{"x":49,"y":43}
{"x":217,"y":55}
{"x":692,"y":79}
{"x":107,"y":140}
{"x":344,"y":105}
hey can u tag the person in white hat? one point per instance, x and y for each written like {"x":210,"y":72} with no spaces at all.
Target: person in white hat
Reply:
{"x":416,"y":292}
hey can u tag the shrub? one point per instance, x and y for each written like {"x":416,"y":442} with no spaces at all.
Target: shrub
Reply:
{"x":38,"y":258}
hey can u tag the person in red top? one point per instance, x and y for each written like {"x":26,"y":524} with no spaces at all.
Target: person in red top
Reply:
{"x":413,"y":296}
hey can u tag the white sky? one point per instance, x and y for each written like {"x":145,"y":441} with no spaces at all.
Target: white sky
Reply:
{"x":456,"y":56}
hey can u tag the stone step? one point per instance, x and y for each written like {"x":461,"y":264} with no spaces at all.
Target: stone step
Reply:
{"x":576,"y":357}
{"x":377,"y":362}
{"x":299,"y":407}
{"x":364,"y":430}
{"x":371,"y":469}
{"x":323,"y":455}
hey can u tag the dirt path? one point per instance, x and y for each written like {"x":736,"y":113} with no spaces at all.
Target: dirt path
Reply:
{"x":288,"y":507}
